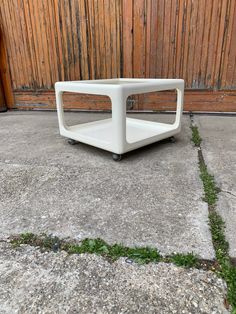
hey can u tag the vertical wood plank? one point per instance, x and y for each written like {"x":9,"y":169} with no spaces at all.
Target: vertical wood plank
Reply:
{"x":20,"y":24}
{"x":198,"y":44}
{"x":57,"y":23}
{"x":187,"y":43}
{"x":139,"y":27}
{"x":108,"y":14}
{"x":153,"y":38}
{"x":127,"y":22}
{"x":230,"y":17}
{"x":31,"y":44}
{"x":83,"y":40}
{"x":205,"y":46}
{"x":148,"y":38}
{"x":166,"y":38}
{"x":192,"y":42}
{"x":160,"y":37}
{"x":118,"y":39}
{"x":173,"y":38}
{"x":179,"y":39}
{"x":230,"y":81}
{"x":212,"y":46}
{"x":91,"y":39}
{"x":223,"y":12}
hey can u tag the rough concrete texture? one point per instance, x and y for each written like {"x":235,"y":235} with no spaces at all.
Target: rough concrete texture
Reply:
{"x":34,"y":282}
{"x":152,"y":197}
{"x":219,"y":150}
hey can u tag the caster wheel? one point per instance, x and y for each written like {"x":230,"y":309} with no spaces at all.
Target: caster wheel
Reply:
{"x":71,"y":141}
{"x":172,"y":139}
{"x":116,"y":157}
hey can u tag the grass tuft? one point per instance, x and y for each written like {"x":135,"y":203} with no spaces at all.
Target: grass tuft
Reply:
{"x":196,"y":138}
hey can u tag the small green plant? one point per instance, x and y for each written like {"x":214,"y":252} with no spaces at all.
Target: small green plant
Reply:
{"x":189,"y":260}
{"x":209,"y":185}
{"x":113,"y":252}
{"x":226,"y":270}
{"x":143,"y":255}
{"x":228,"y":273}
{"x":196,"y":138}
{"x":217,"y":227}
{"x":24,"y":238}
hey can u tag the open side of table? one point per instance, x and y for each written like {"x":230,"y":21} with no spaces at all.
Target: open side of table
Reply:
{"x":119,"y":134}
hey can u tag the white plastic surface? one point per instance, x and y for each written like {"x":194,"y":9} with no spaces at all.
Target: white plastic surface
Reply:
{"x":119,"y":134}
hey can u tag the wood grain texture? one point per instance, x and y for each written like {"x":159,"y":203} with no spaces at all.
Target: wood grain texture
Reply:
{"x":55,"y":40}
{"x":193,"y":40}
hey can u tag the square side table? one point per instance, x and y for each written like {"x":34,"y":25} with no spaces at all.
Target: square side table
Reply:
{"x":119,"y":134}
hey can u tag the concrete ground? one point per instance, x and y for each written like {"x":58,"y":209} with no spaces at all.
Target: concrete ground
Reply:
{"x":219,"y":150}
{"x":79,"y":191}
{"x":34,"y":282}
{"x":153,"y":197}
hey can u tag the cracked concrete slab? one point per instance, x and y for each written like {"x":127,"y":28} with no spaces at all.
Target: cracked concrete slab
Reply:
{"x":35,"y":282}
{"x":153,"y":197}
{"x":219,"y":151}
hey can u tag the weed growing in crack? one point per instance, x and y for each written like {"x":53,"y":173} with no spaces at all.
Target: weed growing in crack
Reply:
{"x":225,"y":268}
{"x":141,"y":255}
{"x":196,"y":138}
{"x":25,"y":238}
{"x":210,"y":188}
{"x":188,"y":260}
{"x":217,"y":227}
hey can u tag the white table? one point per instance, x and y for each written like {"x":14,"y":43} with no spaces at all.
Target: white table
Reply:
{"x":119,"y":134}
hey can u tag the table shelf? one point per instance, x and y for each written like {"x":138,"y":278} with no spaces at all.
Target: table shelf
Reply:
{"x":137,"y":130}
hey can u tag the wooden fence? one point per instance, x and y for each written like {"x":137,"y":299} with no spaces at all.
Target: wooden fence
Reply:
{"x":52,"y":40}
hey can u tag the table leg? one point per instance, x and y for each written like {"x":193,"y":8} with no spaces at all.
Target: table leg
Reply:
{"x":60,"y":111}
{"x":118,"y":100}
{"x":179,"y":109}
